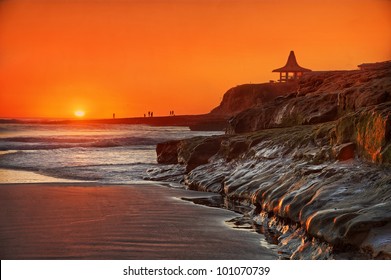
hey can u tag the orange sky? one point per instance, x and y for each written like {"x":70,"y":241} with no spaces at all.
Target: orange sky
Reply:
{"x":131,"y":57}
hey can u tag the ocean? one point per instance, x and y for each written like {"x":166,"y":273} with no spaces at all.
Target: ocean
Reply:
{"x":104,"y":153}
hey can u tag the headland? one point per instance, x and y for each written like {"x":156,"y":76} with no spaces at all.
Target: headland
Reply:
{"x":313,"y":160}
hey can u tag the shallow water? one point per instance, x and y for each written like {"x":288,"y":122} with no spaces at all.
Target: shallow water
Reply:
{"x":113,"y":153}
{"x":8,"y":176}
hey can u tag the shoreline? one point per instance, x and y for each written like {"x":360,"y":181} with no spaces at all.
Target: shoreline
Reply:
{"x":315,"y":162}
{"x":206,"y":122}
{"x":14,"y":177}
{"x":97,"y":221}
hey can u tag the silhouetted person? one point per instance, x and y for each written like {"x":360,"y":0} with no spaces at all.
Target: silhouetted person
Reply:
{"x":151,"y":114}
{"x":145,"y":115}
{"x":113,"y":115}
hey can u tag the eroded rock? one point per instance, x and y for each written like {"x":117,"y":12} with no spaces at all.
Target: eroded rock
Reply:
{"x":321,"y":97}
{"x":243,"y":97}
{"x":315,"y":164}
{"x":167,"y":152}
{"x":370,"y":130}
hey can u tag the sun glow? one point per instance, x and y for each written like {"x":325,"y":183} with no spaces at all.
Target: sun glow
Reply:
{"x":79,"y":113}
{"x":145,"y":53}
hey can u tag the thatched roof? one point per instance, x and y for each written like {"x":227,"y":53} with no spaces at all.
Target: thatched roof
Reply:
{"x":292,"y":65}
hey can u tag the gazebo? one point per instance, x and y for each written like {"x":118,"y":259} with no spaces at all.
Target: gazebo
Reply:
{"x":292,"y":70}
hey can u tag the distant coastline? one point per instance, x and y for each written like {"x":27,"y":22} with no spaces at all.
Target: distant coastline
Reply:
{"x":194,"y":122}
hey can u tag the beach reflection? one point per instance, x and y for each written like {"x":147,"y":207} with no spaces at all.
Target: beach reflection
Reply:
{"x":116,"y":222}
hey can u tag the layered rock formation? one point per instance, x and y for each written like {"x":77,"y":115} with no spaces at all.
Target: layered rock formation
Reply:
{"x":243,"y":97}
{"x":315,"y":165}
{"x":320,"y":97}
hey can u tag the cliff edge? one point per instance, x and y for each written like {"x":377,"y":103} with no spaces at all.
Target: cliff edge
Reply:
{"x":243,"y":97}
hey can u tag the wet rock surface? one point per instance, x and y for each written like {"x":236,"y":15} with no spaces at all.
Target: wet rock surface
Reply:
{"x":320,"y":182}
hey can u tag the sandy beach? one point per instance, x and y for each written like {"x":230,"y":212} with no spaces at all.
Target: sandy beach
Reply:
{"x":90,"y":221}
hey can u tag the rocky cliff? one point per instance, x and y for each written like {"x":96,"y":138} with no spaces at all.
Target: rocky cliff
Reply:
{"x":320,"y":97}
{"x":242,"y":97}
{"x":315,"y":165}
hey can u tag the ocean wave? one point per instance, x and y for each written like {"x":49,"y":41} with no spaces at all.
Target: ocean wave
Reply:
{"x":78,"y":157}
{"x":119,"y":173}
{"x":104,"y":153}
{"x":44,"y":143}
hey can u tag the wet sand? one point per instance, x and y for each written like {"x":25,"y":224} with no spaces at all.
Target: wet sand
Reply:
{"x":9,"y":176}
{"x":90,"y":221}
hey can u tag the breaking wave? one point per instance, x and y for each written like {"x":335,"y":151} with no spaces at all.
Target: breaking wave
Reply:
{"x":114,"y":153}
{"x":44,"y":143}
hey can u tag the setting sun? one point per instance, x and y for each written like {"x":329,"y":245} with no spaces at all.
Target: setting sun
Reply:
{"x":79,"y":113}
